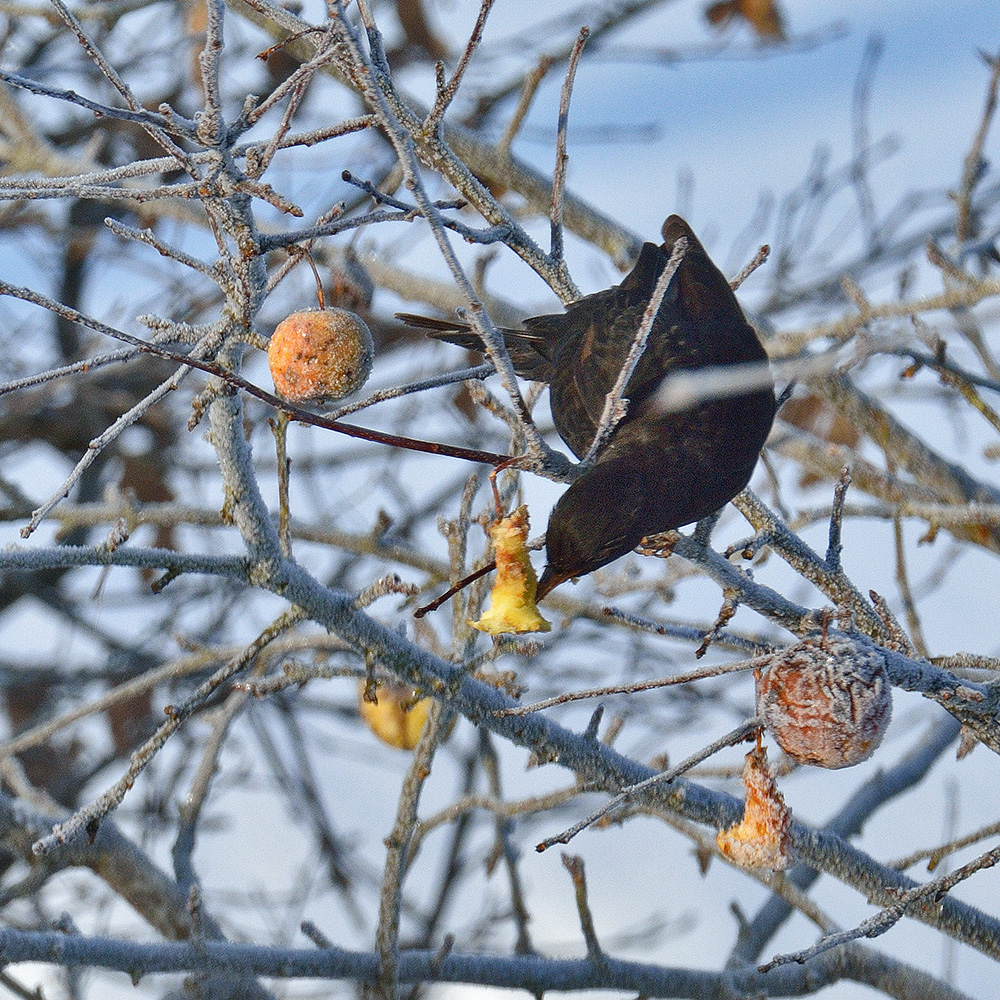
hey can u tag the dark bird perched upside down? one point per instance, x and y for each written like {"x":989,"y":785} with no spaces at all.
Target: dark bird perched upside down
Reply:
{"x":660,"y":469}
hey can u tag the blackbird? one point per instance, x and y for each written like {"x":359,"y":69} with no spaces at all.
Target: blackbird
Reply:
{"x":659,"y":470}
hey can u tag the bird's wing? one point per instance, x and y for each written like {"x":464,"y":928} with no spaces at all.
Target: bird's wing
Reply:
{"x":708,"y":302}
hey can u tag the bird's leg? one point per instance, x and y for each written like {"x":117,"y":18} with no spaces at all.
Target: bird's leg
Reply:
{"x":661,"y":545}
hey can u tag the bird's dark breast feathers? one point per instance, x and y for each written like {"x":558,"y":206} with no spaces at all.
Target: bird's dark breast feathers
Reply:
{"x":654,"y":476}
{"x":691,"y":462}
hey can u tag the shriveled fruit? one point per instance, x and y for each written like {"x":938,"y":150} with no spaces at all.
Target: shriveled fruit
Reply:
{"x":826,"y":701}
{"x":398,"y":717}
{"x":512,"y":600}
{"x":762,"y":839}
{"x":320,"y":355}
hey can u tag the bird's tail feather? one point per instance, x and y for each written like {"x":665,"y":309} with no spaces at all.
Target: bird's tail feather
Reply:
{"x":525,"y":348}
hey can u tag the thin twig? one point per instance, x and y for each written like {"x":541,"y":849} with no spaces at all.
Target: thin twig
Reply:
{"x":148,"y":237}
{"x":532,"y":80}
{"x":972,"y":166}
{"x":397,"y":855}
{"x":934,"y":855}
{"x":280,"y":429}
{"x":763,"y":252}
{"x":559,"y":174}
{"x":688,"y":677}
{"x":574,"y":865}
{"x":916,"y":635}
{"x":889,"y":916}
{"x":835,"y":545}
{"x":99,"y":443}
{"x":615,"y":404}
{"x":732,"y":738}
{"x":446,"y":94}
